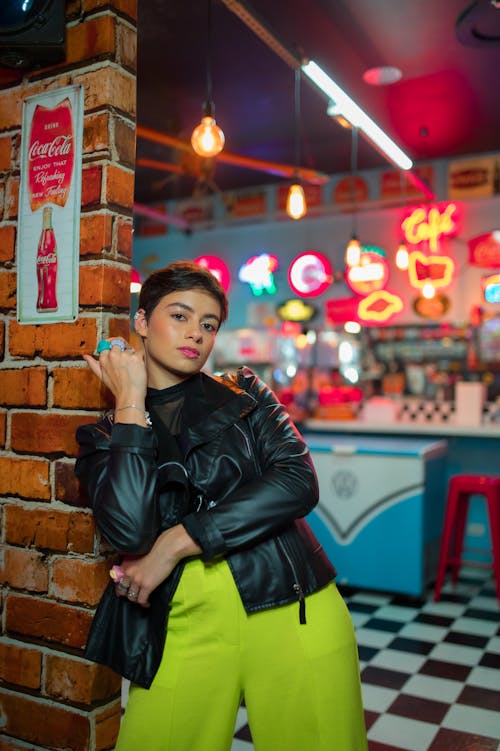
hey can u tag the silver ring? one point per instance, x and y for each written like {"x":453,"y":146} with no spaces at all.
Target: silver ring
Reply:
{"x":133,"y":595}
{"x":123,"y":587}
{"x":118,"y":343}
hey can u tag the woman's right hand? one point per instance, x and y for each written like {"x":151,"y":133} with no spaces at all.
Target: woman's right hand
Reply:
{"x":122,"y":372}
{"x":137,"y":576}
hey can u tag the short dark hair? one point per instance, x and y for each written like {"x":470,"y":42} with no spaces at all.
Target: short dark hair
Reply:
{"x":181,"y":275}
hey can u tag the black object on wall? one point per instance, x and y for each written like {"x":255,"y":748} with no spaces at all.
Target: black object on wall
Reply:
{"x":32,"y":33}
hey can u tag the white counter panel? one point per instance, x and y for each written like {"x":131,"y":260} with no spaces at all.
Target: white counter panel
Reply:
{"x":381,"y":507}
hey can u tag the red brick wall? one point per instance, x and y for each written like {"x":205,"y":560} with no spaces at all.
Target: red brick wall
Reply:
{"x":53,"y":567}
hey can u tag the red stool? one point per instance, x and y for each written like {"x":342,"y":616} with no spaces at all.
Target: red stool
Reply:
{"x":460,"y":489}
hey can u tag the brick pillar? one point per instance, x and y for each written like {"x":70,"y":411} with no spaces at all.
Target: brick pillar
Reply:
{"x":53,"y":566}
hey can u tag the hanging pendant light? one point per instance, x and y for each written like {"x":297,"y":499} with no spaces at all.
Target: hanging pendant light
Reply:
{"x":207,"y":138}
{"x":402,"y":256}
{"x":428,"y":290}
{"x":296,"y":202}
{"x":353,"y":252}
{"x":352,"y":255}
{"x":296,"y":206}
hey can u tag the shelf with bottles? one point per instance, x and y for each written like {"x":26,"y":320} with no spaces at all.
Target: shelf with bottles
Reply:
{"x":426,"y":361}
{"x":420,"y":343}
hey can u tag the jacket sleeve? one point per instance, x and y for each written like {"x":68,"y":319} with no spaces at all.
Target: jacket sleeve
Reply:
{"x":116,"y":464}
{"x":284,"y":489}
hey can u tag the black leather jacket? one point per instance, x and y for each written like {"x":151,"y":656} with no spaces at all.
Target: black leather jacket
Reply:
{"x":241,"y":484}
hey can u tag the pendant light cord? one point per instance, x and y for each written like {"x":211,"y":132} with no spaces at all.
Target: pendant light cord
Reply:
{"x":297,"y":120}
{"x":208,"y":104}
{"x":354,"y":167}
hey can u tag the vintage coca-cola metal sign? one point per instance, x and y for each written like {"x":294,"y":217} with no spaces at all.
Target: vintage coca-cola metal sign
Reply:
{"x":51,"y":155}
{"x":49,"y":216}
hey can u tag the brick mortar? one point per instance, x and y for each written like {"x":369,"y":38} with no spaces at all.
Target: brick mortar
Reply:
{"x":20,"y":593}
{"x":52,"y":505}
{"x":47,"y":701}
{"x":99,"y":12}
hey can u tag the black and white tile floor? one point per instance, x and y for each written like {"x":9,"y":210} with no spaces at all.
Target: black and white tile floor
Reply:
{"x":430,"y":671}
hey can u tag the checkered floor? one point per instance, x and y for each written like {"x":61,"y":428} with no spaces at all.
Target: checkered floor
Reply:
{"x":430,"y":671}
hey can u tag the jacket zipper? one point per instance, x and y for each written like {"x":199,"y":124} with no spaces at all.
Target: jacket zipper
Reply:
{"x":296,"y":586}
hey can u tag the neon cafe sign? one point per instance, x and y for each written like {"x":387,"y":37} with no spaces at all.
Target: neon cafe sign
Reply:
{"x":310,"y":273}
{"x":429,"y":225}
{"x":426,"y":227}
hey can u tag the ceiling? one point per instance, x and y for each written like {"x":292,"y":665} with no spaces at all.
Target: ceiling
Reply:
{"x":446,"y":103}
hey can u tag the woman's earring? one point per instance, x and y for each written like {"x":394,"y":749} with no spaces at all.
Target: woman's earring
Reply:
{"x":136,"y":315}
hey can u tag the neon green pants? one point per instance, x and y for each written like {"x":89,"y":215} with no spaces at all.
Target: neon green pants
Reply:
{"x":300,"y":683}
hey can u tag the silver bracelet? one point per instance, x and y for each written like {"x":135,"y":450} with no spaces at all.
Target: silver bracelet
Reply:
{"x":143,"y":412}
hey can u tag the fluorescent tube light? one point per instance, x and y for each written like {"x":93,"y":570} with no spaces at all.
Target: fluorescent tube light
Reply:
{"x":353,"y":112}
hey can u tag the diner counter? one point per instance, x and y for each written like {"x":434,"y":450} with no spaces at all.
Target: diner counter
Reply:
{"x":380,"y":510}
{"x":470,"y":450}
{"x":487,"y":430}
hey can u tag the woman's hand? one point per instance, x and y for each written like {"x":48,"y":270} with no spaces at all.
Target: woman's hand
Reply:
{"x":123,"y":372}
{"x":142,"y":575}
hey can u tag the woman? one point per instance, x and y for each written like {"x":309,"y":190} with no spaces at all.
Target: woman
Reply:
{"x":223,"y":593}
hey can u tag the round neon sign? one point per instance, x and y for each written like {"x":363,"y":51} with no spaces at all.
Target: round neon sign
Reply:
{"x":310,"y":274}
{"x":371,"y":274}
{"x":217,"y":267}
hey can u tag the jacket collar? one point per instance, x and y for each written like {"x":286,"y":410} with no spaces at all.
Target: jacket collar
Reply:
{"x":211,"y":404}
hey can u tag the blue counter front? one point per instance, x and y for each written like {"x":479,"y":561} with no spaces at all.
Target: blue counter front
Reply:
{"x":381,"y":508}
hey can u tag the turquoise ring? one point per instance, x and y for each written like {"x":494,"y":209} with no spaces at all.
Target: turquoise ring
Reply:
{"x":103,"y":345}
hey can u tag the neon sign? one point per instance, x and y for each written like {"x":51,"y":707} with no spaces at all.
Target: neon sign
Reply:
{"x":428,"y":225}
{"x":484,"y":250}
{"x":435,"y":270}
{"x":434,"y":308}
{"x":491,"y":287}
{"x":217,"y":267}
{"x":296,"y":310}
{"x":371,"y":274}
{"x":258,"y":272}
{"x":310,"y":274}
{"x":379,"y":306}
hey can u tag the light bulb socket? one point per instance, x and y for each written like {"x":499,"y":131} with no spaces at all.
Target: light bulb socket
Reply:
{"x":208,"y":109}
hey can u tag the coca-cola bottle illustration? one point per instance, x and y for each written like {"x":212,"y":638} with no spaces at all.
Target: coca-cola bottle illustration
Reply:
{"x":46,"y":265}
